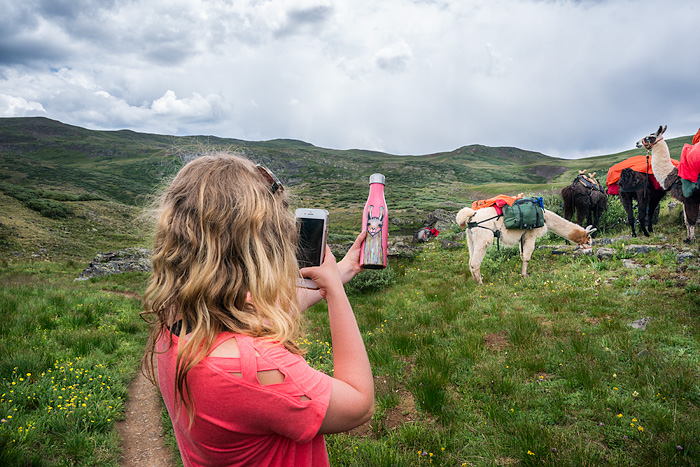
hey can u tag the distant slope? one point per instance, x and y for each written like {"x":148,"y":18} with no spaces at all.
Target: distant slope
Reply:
{"x":56,"y":177}
{"x":125,"y":165}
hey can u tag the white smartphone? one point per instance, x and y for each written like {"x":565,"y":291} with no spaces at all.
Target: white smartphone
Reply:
{"x":313,"y":228}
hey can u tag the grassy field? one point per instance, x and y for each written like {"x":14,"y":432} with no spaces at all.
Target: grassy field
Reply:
{"x":67,"y":354}
{"x":537,"y":371}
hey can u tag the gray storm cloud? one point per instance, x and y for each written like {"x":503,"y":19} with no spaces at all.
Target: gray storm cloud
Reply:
{"x":566,"y":78}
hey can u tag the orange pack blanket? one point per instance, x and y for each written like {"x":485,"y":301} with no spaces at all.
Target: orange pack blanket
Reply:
{"x":636,"y":163}
{"x":497,"y":202}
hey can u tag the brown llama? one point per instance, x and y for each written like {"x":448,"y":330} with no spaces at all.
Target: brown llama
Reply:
{"x":667,"y":175}
{"x":584,"y":198}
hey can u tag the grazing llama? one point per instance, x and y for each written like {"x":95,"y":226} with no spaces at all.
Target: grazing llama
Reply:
{"x":483,"y":225}
{"x":667,"y":175}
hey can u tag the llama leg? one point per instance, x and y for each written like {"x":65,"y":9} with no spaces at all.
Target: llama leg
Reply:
{"x":480,"y":242}
{"x":642,"y":207}
{"x":653,"y":206}
{"x":650,"y":216}
{"x":470,"y":242}
{"x":580,"y":214}
{"x":690,"y":216}
{"x":527,"y":246}
{"x":629,"y":209}
{"x":587,"y":216}
{"x":568,"y":209}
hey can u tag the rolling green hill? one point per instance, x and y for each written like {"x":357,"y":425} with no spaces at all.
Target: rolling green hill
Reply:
{"x":73,"y":191}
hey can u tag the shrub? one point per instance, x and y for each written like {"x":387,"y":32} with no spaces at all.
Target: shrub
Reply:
{"x":614,"y":216}
{"x":18,"y":192}
{"x":49,"y":208}
{"x":371,"y":280}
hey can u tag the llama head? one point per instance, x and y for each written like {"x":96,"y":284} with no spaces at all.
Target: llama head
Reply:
{"x":649,"y":141}
{"x":374,"y":224}
{"x":464,"y":215}
{"x":586,"y":240}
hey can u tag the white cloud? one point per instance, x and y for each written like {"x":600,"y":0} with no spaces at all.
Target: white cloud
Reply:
{"x":12,"y":106}
{"x":195,"y":106}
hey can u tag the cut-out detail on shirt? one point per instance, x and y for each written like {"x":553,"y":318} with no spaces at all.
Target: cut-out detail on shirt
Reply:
{"x":230,"y":355}
{"x":267,"y":377}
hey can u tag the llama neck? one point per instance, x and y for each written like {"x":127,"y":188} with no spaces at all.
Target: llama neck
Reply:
{"x":565,"y":229}
{"x":661,"y":164}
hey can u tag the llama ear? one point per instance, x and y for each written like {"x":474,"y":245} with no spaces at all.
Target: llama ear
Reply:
{"x":590,"y":229}
{"x":661,"y":130}
{"x":381,"y":213}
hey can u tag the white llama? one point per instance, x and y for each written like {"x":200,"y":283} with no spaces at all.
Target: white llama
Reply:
{"x":484,"y":224}
{"x":667,"y":176}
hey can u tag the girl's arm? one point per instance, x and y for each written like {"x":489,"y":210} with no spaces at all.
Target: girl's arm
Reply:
{"x":352,"y":399}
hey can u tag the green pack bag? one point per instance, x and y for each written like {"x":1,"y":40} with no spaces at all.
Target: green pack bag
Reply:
{"x":525,"y":213}
{"x":689,"y":187}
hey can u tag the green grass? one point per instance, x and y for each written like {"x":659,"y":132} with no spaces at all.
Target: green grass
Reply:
{"x":520,"y":371}
{"x":530,"y":371}
{"x":67,"y":354}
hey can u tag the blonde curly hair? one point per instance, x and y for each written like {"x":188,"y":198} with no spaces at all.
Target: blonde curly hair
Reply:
{"x":223,"y":260}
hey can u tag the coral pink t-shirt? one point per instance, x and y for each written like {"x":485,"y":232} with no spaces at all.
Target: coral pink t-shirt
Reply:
{"x":239,"y":421}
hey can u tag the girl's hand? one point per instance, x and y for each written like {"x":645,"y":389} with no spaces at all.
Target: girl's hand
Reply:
{"x":326,"y":276}
{"x":349,"y":266}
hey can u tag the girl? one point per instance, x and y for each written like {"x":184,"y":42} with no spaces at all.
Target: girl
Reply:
{"x":224,"y":311}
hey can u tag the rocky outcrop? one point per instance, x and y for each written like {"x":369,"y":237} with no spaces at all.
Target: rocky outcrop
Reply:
{"x":127,"y":260}
{"x":442,"y":220}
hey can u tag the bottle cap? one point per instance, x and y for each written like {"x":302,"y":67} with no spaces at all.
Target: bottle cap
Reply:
{"x":376,"y":178}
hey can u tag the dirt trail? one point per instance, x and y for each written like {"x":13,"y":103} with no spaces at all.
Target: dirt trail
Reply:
{"x":143,"y":444}
{"x":142,"y":437}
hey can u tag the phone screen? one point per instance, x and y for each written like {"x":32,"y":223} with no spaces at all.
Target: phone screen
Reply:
{"x":309,"y":253}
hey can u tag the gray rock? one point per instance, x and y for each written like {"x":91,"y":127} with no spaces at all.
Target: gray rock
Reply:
{"x":629,"y":264}
{"x":450,"y":245}
{"x":642,"y":249}
{"x":402,"y":247}
{"x":583,"y":251}
{"x":684,"y":257}
{"x":640,"y":324}
{"x":610,"y":241}
{"x":442,"y":220}
{"x":115,"y":262}
{"x":604,"y":253}
{"x":399,"y":221}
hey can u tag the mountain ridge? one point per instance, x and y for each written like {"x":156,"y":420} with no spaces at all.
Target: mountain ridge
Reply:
{"x":100,"y":179}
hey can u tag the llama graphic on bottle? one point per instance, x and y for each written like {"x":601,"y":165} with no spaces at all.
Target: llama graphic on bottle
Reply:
{"x":375,"y":219}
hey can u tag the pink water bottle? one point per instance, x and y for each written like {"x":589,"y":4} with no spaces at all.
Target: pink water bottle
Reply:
{"x":375,"y":220}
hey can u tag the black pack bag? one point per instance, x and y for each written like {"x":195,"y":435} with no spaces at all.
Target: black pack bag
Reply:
{"x":525,"y":213}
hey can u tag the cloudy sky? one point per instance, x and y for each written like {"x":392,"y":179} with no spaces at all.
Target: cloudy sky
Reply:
{"x":566,"y":78}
